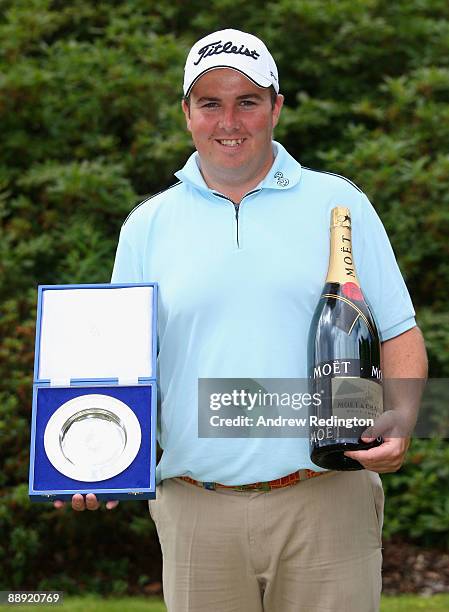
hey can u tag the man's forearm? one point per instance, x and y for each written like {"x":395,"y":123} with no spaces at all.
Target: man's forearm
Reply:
{"x":404,"y":364}
{"x":405,"y":356}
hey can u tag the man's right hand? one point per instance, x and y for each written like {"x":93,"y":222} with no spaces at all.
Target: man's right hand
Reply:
{"x":90,"y":502}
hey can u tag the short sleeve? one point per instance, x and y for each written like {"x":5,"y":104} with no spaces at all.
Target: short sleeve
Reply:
{"x":379,"y":274}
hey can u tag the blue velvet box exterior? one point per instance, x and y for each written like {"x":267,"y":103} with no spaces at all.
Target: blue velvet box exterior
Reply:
{"x":137,"y":481}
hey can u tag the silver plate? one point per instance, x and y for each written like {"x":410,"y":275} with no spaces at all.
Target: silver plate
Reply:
{"x":92,"y":437}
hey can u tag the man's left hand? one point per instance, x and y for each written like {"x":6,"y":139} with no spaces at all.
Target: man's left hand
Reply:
{"x":388,"y":457}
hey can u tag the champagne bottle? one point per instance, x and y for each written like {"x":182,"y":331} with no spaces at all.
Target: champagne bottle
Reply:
{"x":343,"y":358}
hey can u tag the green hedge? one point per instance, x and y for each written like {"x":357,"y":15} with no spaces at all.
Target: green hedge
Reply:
{"x":91,"y":124}
{"x":417,"y":499}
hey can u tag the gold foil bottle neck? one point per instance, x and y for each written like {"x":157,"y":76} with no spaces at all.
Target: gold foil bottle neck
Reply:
{"x":341,"y":217}
{"x":341,"y":263}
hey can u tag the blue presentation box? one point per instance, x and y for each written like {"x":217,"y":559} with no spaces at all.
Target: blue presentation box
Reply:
{"x":94,"y":414}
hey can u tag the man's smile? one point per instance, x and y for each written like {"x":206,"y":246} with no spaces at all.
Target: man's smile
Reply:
{"x":230,"y":142}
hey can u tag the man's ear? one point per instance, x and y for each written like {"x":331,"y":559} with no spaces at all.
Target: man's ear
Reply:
{"x":186,"y":111}
{"x":277,"y":109}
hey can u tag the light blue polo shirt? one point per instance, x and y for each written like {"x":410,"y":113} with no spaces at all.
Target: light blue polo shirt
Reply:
{"x":236,"y":297}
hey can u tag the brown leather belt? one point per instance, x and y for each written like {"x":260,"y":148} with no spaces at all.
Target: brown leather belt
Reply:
{"x":278,"y":483}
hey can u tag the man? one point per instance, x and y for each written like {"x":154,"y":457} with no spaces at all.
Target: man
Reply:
{"x":239,"y":247}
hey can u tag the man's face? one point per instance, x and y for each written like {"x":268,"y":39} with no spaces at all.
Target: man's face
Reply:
{"x":231,"y":121}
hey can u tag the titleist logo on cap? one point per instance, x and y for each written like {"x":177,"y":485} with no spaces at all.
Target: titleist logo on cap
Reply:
{"x":215,"y":48}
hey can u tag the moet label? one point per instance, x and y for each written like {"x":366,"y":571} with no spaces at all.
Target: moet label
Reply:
{"x":356,"y":397}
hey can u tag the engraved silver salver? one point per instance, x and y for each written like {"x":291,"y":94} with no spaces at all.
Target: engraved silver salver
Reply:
{"x":92,"y":437}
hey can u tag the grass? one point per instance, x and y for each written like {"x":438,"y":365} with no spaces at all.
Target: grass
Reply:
{"x":404,"y":603}
{"x":414,"y":603}
{"x":91,"y":603}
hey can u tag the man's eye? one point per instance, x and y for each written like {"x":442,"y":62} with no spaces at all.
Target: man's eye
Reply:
{"x":248,"y":103}
{"x":210,"y":105}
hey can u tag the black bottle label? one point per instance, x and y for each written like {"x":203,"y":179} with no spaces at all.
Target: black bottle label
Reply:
{"x":347,"y":367}
{"x":352,"y":399}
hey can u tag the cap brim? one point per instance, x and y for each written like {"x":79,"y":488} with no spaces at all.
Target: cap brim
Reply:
{"x":253,"y":76}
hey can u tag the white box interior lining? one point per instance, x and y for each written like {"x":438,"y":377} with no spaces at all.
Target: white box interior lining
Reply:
{"x":96,"y":333}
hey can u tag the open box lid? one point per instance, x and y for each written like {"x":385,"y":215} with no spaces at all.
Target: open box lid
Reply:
{"x":96,"y":333}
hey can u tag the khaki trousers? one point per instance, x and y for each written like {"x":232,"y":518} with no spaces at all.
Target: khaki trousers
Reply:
{"x":311,"y":547}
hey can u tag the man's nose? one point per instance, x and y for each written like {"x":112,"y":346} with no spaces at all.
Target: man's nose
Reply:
{"x":229,"y":120}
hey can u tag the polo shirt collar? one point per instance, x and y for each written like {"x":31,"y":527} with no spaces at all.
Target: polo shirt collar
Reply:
{"x":284,"y":174}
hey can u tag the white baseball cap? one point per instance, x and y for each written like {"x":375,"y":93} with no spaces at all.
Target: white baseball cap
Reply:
{"x":231,"y":49}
